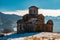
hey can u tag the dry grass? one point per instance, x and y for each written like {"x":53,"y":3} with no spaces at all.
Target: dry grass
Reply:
{"x":40,"y":38}
{"x":31,"y":38}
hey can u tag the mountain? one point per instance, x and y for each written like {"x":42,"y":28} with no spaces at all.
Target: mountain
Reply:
{"x":8,"y":21}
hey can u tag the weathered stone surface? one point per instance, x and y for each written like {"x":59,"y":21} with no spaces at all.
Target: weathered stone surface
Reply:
{"x":33,"y":22}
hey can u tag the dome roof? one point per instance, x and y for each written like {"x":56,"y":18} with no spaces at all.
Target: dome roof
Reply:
{"x":33,"y":7}
{"x":50,"y":22}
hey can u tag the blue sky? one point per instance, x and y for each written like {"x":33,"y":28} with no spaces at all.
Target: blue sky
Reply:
{"x":12,"y":5}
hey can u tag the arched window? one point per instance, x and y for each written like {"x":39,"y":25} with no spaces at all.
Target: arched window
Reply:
{"x":34,"y":11}
{"x":21,"y":27}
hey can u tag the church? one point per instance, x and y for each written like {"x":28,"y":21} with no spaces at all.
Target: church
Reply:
{"x":34,"y":22}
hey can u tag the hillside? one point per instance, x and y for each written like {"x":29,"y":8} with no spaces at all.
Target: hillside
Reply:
{"x":8,"y":21}
{"x":33,"y":36}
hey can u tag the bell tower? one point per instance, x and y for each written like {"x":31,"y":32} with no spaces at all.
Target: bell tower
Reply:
{"x":33,"y":10}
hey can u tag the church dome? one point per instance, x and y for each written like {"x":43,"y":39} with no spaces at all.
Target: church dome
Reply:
{"x":33,"y":7}
{"x":50,"y":22}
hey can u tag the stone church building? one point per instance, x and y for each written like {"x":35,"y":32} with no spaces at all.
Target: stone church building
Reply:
{"x":34,"y":22}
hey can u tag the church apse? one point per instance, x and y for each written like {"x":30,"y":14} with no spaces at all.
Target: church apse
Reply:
{"x":34,"y":22}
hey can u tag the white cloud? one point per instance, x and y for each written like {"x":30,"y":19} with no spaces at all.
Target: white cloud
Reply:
{"x":45,"y":12}
{"x":49,"y":12}
{"x":17,"y":12}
